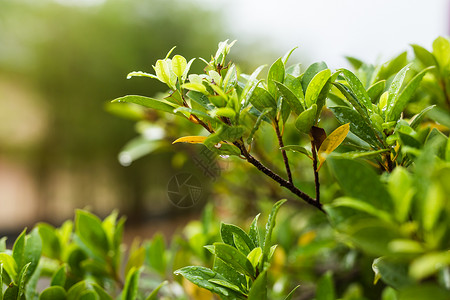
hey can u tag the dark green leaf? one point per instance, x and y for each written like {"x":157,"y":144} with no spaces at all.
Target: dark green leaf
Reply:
{"x":254,"y":232}
{"x":201,"y":99}
{"x":356,"y":63}
{"x":358,"y":89}
{"x":290,"y":98}
{"x":375,"y":90}
{"x":295,"y":85}
{"x":227,"y":232}
{"x":358,"y":125}
{"x":226,"y":284}
{"x":348,"y":94}
{"x":360,"y":181}
{"x":234,"y":258}
{"x":201,"y":276}
{"x":258,"y":291}
{"x":228,"y":273}
{"x":148,"y":102}
{"x":11,"y":293}
{"x":423,"y":291}
{"x":306,"y":119}
{"x":102,"y":294}
{"x":202,"y":115}
{"x":262,"y":99}
{"x":393,"y":272}
{"x":53,"y":293}
{"x":394,"y":90}
{"x":257,"y":124}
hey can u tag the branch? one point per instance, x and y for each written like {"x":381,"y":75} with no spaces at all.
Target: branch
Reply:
{"x":316,"y":173}
{"x":284,"y":183}
{"x":283,"y":152}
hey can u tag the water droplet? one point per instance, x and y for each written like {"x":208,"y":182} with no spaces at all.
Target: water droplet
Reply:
{"x":218,"y":145}
{"x":224,"y":156}
{"x":125,"y":159}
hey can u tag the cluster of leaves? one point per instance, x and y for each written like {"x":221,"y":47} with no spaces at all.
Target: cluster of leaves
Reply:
{"x":82,"y":259}
{"x":390,"y":155}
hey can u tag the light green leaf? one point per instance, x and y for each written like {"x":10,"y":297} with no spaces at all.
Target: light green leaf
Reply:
{"x":433,"y":205}
{"x":360,"y":181}
{"x":258,"y":291}
{"x":392,"y":271}
{"x":325,"y":288}
{"x":362,"y":206}
{"x":311,"y":72}
{"x":255,"y":256}
{"x":401,"y":188}
{"x":234,"y":258}
{"x":102,"y":294}
{"x":393,"y":111}
{"x":226,"y":284}
{"x":148,"y":102}
{"x":441,"y":51}
{"x":376,"y":89}
{"x":298,"y":149}
{"x":53,"y":293}
{"x":424,"y":56}
{"x":423,"y":291}
{"x":254,"y":232}
{"x":291,"y":294}
{"x":141,"y":74}
{"x":306,"y":119}
{"x":59,"y":277}
{"x":394,"y":90}
{"x":266,"y":245}
{"x":179,"y":65}
{"x":89,"y":230}
{"x":155,"y":254}
{"x":417,"y":119}
{"x":276,"y":73}
{"x":164,"y":72}
{"x":429,"y":264}
{"x":315,"y":87}
{"x":154,"y":294}
{"x":130,"y":290}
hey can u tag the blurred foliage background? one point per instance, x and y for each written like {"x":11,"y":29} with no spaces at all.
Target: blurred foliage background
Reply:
{"x":59,"y":65}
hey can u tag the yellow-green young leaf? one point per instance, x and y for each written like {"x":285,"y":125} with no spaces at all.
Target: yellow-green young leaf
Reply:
{"x":441,"y":50}
{"x":179,"y":64}
{"x":162,"y":71}
{"x":255,"y":256}
{"x":332,"y":142}
{"x":191,"y":139}
{"x":198,"y":87}
{"x":306,"y":119}
{"x":9,"y":265}
{"x":315,"y":86}
{"x":429,"y":264}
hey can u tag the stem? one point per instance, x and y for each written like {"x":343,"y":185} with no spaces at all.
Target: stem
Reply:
{"x":284,"y":183}
{"x":283,"y":152}
{"x":316,"y":174}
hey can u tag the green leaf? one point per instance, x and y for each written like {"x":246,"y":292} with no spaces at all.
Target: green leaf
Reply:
{"x":148,"y":102}
{"x":201,"y":276}
{"x":276,"y":73}
{"x":164,"y":72}
{"x":375,"y":90}
{"x":392,"y":66}
{"x":226,"y":284}
{"x":89,"y":230}
{"x":51,"y":246}
{"x":291,"y":294}
{"x":228,"y":273}
{"x":306,"y":119}
{"x":257,"y":124}
{"x":389,"y":294}
{"x":1,"y":280}
{"x":358,"y":89}
{"x":401,"y":188}
{"x":102,"y":294}
{"x":331,"y":142}
{"x":136,"y":259}
{"x":358,"y":125}
{"x":59,"y":277}
{"x":362,"y":206}
{"x":417,"y":119}
{"x":394,"y":90}
{"x":297,"y":148}
{"x":266,"y":245}
{"x":315,"y":87}
{"x":258,"y":291}
{"x":179,"y":65}
{"x":234,"y":258}
{"x":254,"y":232}
{"x":360,"y":181}
{"x":255,"y":256}
{"x":200,"y":114}
{"x":392,"y":271}
{"x":424,"y":56}
{"x":228,"y":231}
{"x":11,"y":293}
{"x":154,"y":294}
{"x":261,"y":99}
{"x":23,"y":278}
{"x":325,"y":288}
{"x":352,"y":99}
{"x":290,"y":98}
{"x":201,"y":99}
{"x":27,"y":250}
{"x":130,"y":290}
{"x":433,"y":205}
{"x":423,"y":291}
{"x":441,"y":51}
{"x":155,"y":253}
{"x":311,"y":72}
{"x":429,"y":264}
{"x":393,"y":111}
{"x":53,"y":293}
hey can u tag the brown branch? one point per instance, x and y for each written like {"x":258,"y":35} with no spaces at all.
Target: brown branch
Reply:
{"x":281,"y":181}
{"x":316,"y":173}
{"x":283,"y":152}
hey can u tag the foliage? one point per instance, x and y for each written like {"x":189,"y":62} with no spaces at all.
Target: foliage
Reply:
{"x":390,"y":155}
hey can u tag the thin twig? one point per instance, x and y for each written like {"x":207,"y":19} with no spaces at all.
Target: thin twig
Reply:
{"x":283,"y":152}
{"x":283,"y":182}
{"x":316,"y":173}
